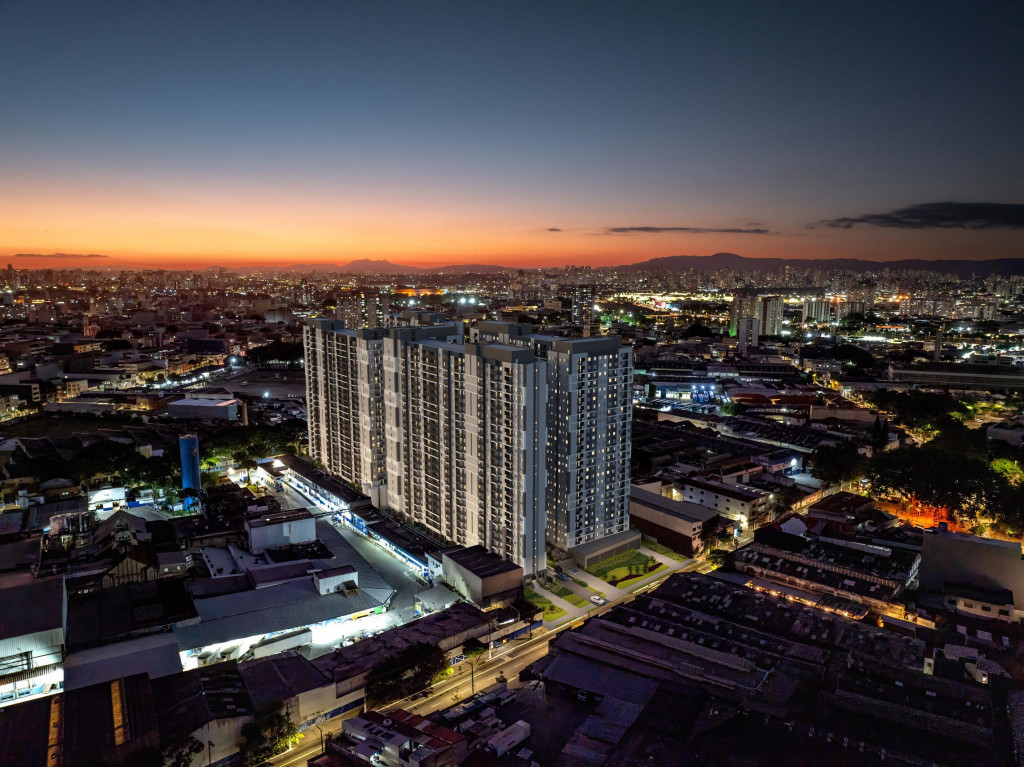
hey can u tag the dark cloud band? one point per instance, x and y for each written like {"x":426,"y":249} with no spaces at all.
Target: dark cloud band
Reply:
{"x":57,"y":255}
{"x":939,"y":215}
{"x":679,"y":229}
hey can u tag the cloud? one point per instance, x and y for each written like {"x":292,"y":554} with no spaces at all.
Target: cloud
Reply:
{"x":552,"y":229}
{"x":679,"y":229}
{"x":938,"y":215}
{"x":58,"y":255}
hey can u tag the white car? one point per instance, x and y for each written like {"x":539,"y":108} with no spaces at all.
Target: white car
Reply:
{"x":598,"y":600}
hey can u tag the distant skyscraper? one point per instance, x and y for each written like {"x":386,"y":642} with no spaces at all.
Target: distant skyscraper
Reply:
{"x":364,"y":308}
{"x":747,"y":334}
{"x":770,"y":314}
{"x":583,"y":307}
{"x":742,"y":306}
{"x":817,"y":310}
{"x":191,"y":474}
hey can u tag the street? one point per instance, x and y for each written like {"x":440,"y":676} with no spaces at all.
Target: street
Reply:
{"x":509,"y":662}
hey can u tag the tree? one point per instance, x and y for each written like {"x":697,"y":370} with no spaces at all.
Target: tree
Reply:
{"x":248,"y":464}
{"x":962,"y":484}
{"x":190,"y":499}
{"x":834,"y":465}
{"x":180,"y":751}
{"x":267,"y":737}
{"x":473,"y":647}
{"x":1008,"y":468}
{"x":720,"y":558}
{"x":732,"y":408}
{"x":404,"y":673}
{"x":697,"y":330}
{"x":853,"y":355}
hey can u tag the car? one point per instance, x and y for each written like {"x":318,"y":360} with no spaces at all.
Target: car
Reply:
{"x":562,"y":577}
{"x":598,"y":600}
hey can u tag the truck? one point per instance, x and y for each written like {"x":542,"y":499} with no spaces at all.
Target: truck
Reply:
{"x":508,"y":738}
{"x":282,"y":642}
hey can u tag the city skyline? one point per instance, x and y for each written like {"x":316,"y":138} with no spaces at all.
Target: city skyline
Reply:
{"x":432,"y":136}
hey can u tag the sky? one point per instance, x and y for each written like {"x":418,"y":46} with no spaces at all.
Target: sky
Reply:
{"x":523,"y":133}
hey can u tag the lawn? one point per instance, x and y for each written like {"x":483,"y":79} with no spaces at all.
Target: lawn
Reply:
{"x":621,"y":566}
{"x":657,"y":548}
{"x":551,"y":612}
{"x":567,"y":594}
{"x":630,"y":581}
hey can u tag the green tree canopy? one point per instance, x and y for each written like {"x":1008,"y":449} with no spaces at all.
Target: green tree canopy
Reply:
{"x":833,"y":465}
{"x":267,"y":737}
{"x":404,"y":673}
{"x":473,"y":647}
{"x":853,"y":355}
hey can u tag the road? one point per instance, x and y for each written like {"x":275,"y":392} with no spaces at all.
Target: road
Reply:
{"x":510,"y":662}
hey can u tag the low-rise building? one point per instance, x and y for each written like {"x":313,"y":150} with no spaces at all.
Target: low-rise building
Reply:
{"x":745,"y":505}
{"x":968,"y":575}
{"x":481,"y":576}
{"x":206,"y":409}
{"x":32,"y":624}
{"x":680,"y":525}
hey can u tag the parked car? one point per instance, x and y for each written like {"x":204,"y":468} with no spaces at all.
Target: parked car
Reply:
{"x":598,"y":600}
{"x":562,"y":577}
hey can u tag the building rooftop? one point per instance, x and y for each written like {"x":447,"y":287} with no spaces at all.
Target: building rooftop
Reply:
{"x":279,"y":677}
{"x":480,"y":561}
{"x":278,"y":517}
{"x":360,"y":657}
{"x":690,"y":512}
{"x":31,"y":607}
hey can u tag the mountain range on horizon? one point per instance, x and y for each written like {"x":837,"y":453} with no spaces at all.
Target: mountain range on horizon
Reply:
{"x":364,"y":266}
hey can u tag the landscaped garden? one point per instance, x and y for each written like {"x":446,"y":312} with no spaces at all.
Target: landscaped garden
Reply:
{"x":550,"y":610}
{"x":567,"y":594}
{"x":629,"y":566}
{"x":657,"y":548}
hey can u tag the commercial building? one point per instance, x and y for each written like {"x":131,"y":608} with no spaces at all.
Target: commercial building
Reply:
{"x":280,"y":529}
{"x":191,"y":476}
{"x":819,"y":689}
{"x":250,"y":598}
{"x":960,"y":376}
{"x":849,"y":573}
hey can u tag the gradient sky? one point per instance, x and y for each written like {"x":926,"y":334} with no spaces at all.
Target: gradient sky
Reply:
{"x":188,"y":134}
